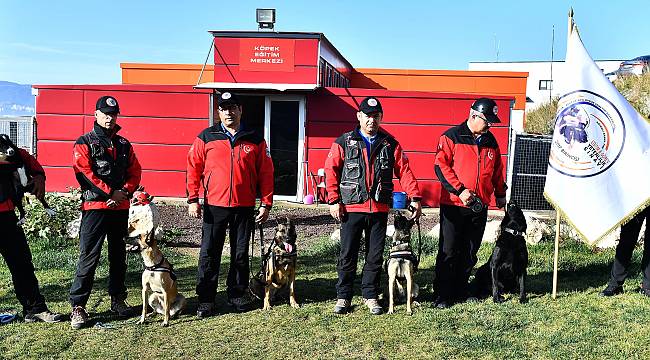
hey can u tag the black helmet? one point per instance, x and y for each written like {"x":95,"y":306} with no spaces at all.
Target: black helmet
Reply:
{"x":488,"y":108}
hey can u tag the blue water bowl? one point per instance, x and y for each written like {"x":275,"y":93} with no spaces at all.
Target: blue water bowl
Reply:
{"x":399,"y":200}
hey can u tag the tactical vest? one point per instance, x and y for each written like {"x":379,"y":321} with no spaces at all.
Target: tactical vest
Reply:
{"x":110,"y":170}
{"x":353,"y":177}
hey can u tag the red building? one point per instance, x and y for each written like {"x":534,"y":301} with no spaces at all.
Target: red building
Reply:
{"x":298,"y":91}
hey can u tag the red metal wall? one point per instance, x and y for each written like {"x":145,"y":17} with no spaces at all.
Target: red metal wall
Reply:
{"x":416,"y":119}
{"x":227,"y":67}
{"x":160,"y":121}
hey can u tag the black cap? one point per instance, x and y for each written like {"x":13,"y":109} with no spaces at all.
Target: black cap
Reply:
{"x":370,"y":105}
{"x":227,"y":98}
{"x":107,"y":105}
{"x":488,"y":108}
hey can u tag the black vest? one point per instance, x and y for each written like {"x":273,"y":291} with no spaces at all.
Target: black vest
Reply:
{"x":382,"y":158}
{"x":110,"y":170}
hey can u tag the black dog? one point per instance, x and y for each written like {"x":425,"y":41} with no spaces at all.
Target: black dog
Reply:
{"x":15,"y":178}
{"x":505,"y":271}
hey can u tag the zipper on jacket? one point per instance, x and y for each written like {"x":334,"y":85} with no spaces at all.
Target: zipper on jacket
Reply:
{"x":370,"y":171}
{"x":478,"y":168}
{"x":232,"y":160}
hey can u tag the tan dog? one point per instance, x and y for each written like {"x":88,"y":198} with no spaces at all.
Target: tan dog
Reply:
{"x":280,"y":270}
{"x":158,"y":278}
{"x":401,"y":265}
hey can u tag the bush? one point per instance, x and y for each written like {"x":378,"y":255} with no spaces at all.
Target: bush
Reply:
{"x":40,"y":226}
{"x":636,"y":89}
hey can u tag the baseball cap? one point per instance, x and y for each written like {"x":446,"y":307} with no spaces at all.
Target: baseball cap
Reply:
{"x":107,"y":105}
{"x":227,"y":98}
{"x":370,"y":105}
{"x":488,"y":108}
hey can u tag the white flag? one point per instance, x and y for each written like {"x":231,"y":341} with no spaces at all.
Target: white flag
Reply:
{"x":599,"y":166}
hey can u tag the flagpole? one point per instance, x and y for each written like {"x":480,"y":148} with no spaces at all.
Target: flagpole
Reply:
{"x":558,"y":217}
{"x":557,"y":252}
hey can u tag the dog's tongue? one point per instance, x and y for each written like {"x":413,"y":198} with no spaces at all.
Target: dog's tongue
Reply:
{"x":288,"y":247}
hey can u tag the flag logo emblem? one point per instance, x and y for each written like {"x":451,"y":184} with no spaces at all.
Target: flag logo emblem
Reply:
{"x":590,"y":134}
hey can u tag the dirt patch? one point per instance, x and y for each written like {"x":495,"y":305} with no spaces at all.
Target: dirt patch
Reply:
{"x":312,"y":222}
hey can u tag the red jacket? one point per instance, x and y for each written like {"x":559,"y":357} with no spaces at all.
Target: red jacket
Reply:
{"x":462,"y":164}
{"x":125,"y":168}
{"x":401,"y":169}
{"x":231,"y":173}
{"x":32,"y":167}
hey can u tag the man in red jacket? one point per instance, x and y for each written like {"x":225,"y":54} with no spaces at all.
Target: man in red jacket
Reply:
{"x":232,"y":163}
{"x":469,"y":167}
{"x":108,"y":172}
{"x":13,"y":244}
{"x":359,"y":178}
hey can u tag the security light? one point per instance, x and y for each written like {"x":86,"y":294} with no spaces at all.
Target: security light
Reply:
{"x":265,"y":18}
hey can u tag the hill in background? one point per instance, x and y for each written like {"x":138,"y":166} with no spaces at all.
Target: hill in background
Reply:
{"x":16,"y":99}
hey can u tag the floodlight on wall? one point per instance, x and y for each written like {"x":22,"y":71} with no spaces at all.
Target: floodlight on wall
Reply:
{"x":265,"y":18}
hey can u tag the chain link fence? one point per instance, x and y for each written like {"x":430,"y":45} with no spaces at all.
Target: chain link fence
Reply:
{"x":529,"y":171}
{"x":21,"y":130}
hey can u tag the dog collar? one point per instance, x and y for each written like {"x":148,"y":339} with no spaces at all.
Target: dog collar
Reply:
{"x":514,"y":232}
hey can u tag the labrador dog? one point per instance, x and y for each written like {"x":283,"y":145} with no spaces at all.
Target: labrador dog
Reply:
{"x":12,"y":171}
{"x":280,"y":264}
{"x":401,"y":265}
{"x":505,"y":271}
{"x":158,"y":277}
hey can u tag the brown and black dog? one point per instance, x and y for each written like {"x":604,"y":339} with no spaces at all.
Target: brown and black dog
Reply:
{"x":280,"y":267}
{"x":158,"y":277}
{"x":401,"y":265}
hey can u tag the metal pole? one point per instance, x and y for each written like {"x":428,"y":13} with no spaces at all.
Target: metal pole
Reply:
{"x":556,"y":255}
{"x":550,"y":88}
{"x":198,"y":81}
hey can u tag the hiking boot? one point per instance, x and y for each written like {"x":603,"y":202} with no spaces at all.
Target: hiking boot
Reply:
{"x":241,"y":303}
{"x":611,"y":291}
{"x":342,"y":306}
{"x":204,"y":310}
{"x":44,"y":316}
{"x":373,"y":306}
{"x":78,"y":317}
{"x":121,"y":308}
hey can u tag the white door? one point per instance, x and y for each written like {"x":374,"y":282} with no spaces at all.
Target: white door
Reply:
{"x":284,"y":131}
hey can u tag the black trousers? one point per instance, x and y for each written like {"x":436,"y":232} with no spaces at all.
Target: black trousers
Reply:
{"x":353,"y":224}
{"x":216,"y":219}
{"x":461,"y":232}
{"x":15,"y":251}
{"x":95,"y":224}
{"x":629,"y":237}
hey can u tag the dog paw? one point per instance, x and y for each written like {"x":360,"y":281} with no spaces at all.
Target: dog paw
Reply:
{"x":498,"y":299}
{"x":523,"y":300}
{"x":165,"y":324}
{"x":295,"y":305}
{"x":409,"y":312}
{"x":390,"y":311}
{"x":141,"y":320}
{"x":266,"y":307}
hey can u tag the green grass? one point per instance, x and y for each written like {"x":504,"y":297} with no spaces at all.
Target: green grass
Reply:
{"x":577,"y":325}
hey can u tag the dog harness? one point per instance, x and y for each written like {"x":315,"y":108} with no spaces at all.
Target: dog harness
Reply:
{"x":159,"y":268}
{"x":514,"y":232}
{"x":405,"y":255}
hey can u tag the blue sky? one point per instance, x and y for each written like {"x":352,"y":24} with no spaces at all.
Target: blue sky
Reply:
{"x":80,"y":42}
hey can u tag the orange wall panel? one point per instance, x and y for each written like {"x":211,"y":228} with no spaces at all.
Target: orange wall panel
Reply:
{"x":452,"y":81}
